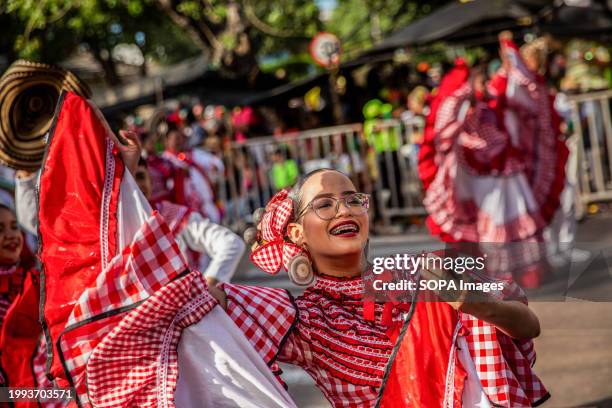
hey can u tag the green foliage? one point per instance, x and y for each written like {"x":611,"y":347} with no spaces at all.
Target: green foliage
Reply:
{"x":173,"y":30}
{"x":360,"y":23}
{"x":50,"y":30}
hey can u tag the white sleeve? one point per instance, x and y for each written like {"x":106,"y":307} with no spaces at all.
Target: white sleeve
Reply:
{"x":223,"y":246}
{"x":25,"y":203}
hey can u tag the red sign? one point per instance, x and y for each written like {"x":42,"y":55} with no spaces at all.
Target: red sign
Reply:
{"x":325,"y":49}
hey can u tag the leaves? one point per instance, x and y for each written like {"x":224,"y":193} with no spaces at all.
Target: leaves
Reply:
{"x":238,"y":33}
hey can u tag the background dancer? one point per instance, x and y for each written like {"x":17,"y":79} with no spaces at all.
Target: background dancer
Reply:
{"x":197,"y":236}
{"x":20,"y":330}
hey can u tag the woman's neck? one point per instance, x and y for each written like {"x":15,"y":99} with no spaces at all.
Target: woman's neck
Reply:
{"x":348,"y":266}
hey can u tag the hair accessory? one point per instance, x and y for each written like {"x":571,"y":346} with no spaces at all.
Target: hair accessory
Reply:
{"x":258,"y":215}
{"x":275,"y":250}
{"x":250,"y":236}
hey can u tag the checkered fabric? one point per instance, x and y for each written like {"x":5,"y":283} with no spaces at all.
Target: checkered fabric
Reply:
{"x":42,"y":381}
{"x":265,"y":316}
{"x":136,"y":365}
{"x":485,"y":148}
{"x":503,"y":365}
{"x":276,"y":251}
{"x":518,"y":136}
{"x":151,"y":261}
{"x":175,"y":215}
{"x":346,"y":354}
{"x":39,"y":362}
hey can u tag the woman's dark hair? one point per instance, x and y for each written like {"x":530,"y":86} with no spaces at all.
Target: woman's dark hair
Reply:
{"x":6,"y":207}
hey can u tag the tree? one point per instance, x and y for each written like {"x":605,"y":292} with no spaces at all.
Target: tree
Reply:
{"x":362,"y":23}
{"x":50,"y":30}
{"x":236,"y":33}
{"x":233,"y":33}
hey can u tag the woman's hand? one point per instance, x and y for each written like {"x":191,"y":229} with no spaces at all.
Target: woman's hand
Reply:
{"x":130,"y":150}
{"x":510,"y":316}
{"x":218,"y":294}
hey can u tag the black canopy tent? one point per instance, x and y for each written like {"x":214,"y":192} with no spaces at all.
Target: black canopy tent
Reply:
{"x":478,"y":22}
{"x":459,"y":20}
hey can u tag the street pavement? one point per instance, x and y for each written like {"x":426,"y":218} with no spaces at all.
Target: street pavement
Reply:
{"x":574,"y":350}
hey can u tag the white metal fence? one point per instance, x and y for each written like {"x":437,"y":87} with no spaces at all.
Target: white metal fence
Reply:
{"x":590,"y":165}
{"x":382,"y":162}
{"x":381,"y":159}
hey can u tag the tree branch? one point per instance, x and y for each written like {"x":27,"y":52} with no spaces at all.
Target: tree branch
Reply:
{"x":199,"y":32}
{"x":262,"y":26}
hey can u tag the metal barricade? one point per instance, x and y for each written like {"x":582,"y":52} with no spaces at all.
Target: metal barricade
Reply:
{"x":592,"y":131}
{"x":257,"y":168}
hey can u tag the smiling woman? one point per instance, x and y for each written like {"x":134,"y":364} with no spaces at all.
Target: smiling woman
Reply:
{"x":345,"y":342}
{"x":11,"y":238}
{"x":19,"y":293}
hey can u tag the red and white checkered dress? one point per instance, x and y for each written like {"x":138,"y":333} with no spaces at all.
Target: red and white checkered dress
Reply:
{"x":499,"y":164}
{"x":324,"y":331}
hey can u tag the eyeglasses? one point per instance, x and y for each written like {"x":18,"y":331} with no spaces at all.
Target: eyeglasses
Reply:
{"x":327,"y":208}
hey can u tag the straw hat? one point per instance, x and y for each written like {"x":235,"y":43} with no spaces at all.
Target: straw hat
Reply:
{"x":29,"y":93}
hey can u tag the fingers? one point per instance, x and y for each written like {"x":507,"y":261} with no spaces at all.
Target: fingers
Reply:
{"x":130,"y":137}
{"x":219,"y":295}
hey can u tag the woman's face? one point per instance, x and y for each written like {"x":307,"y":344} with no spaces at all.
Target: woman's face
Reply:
{"x":346,"y":233}
{"x":11,"y":239}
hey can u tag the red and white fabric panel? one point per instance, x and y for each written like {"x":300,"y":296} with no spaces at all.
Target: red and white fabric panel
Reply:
{"x":533,"y":124}
{"x":503,"y":365}
{"x":79,"y":184}
{"x":143,"y":268}
{"x":265,"y":315}
{"x":117,"y":293}
{"x":136,"y":363}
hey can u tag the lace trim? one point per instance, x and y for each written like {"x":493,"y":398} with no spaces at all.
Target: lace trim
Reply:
{"x":337,"y":287}
{"x":106,"y":197}
{"x":169,"y":336}
{"x":449,"y":390}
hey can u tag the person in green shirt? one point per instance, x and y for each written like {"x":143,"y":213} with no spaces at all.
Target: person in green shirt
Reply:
{"x":386,"y":142}
{"x":284,"y":171}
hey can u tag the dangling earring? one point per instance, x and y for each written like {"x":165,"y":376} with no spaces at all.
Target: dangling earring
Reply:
{"x":367,"y":251}
{"x":300,"y":271}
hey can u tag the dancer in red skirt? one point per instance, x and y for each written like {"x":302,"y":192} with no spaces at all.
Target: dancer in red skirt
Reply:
{"x":492,"y":162}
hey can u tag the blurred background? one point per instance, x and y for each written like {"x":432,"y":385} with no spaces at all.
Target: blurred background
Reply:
{"x":265,"y":91}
